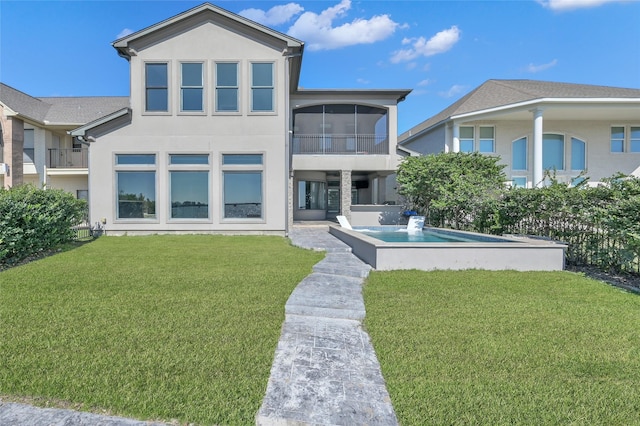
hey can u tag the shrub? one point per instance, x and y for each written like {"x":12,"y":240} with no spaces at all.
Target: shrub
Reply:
{"x":32,"y":220}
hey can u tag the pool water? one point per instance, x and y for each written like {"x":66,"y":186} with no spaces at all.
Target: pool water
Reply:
{"x":401,"y":235}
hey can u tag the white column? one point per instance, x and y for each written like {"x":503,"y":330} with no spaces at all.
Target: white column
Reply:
{"x":456,"y":137}
{"x":537,"y":147}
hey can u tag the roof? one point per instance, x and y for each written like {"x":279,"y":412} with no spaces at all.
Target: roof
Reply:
{"x":60,"y":110}
{"x":503,"y":93}
{"x":398,"y":94}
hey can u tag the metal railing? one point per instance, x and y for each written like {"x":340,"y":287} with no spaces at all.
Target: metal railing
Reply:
{"x":340,"y":144}
{"x":68,"y":158}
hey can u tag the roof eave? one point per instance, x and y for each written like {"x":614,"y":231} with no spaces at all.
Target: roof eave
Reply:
{"x":81,"y":131}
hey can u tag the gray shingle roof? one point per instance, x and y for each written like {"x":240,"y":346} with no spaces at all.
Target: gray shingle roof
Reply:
{"x":498,"y":93}
{"x":61,"y":110}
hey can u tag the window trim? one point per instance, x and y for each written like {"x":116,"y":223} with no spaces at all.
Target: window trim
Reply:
{"x":274,"y":110}
{"x":169,"y":110}
{"x":135,"y":168}
{"x":224,"y":168}
{"x":238,"y":86}
{"x":633,"y":139}
{"x":190,"y":168}
{"x":203,"y":87}
{"x":624,"y":138}
{"x":476,"y":139}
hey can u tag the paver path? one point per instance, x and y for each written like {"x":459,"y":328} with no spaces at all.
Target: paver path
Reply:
{"x":325,"y":371}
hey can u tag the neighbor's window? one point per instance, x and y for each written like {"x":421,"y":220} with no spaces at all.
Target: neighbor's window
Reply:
{"x":466,"y":139}
{"x":136,"y":186}
{"x":156,"y":87}
{"x":189,"y":186}
{"x":227,"y":87}
{"x":311,"y":195}
{"x":553,"y":152}
{"x":262,"y":87}
{"x":634,"y":142}
{"x":617,"y":139}
{"x":578,"y":154}
{"x":191,"y":87}
{"x":28,"y":147}
{"x":487,"y":139}
{"x":519,"y":154}
{"x":519,"y":181}
{"x":242,"y":186}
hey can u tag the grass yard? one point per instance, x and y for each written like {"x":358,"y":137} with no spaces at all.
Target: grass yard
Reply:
{"x":159,"y":327}
{"x":497,"y":348}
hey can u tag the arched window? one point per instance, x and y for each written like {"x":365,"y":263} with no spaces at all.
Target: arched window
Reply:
{"x":553,"y":152}
{"x":519,"y":154}
{"x":578,"y":154}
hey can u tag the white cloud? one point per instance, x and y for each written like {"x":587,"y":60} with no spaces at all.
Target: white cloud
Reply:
{"x":318,"y":30}
{"x":532,"y":68}
{"x":125,"y":32}
{"x":562,"y":5}
{"x":275,"y":16}
{"x":439,"y":43}
{"x":363,"y":81}
{"x":454,"y":90}
{"x":425,"y":82}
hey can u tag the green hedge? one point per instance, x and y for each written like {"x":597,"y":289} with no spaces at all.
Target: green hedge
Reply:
{"x":32,"y":220}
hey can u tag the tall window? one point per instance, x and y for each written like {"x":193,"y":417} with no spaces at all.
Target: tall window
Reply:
{"x":242,"y":186}
{"x":487,"y":139}
{"x":553,"y":152}
{"x":311,"y":195}
{"x":617,"y":139}
{"x":227,"y":87}
{"x":189,"y":181}
{"x":519,"y":154}
{"x":466,"y":139}
{"x":191,"y":87}
{"x":28,"y":147}
{"x":262,"y":86}
{"x":136,"y":186}
{"x":156,"y":87}
{"x":634,"y":142}
{"x":578,"y":154}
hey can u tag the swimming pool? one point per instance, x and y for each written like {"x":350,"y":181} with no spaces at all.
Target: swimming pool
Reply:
{"x":447,"y":249}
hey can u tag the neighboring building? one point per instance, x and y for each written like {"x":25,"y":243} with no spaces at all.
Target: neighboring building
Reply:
{"x":34,"y":145}
{"x":536,"y":126}
{"x":219,"y":138}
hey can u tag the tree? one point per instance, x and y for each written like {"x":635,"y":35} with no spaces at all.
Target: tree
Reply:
{"x":448,"y":187}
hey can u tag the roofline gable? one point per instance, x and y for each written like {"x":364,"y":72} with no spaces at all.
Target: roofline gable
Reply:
{"x":122,"y":44}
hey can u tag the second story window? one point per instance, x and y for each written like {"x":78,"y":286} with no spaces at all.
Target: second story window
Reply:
{"x":227,"y":87}
{"x":262,"y":87}
{"x":156,"y":87}
{"x":617,"y":139}
{"x":191,"y":87}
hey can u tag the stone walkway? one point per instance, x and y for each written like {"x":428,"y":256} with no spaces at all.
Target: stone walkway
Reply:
{"x":325,"y":371}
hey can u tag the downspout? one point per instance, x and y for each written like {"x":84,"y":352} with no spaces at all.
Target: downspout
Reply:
{"x":288,"y":136}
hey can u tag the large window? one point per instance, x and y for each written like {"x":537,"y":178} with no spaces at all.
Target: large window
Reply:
{"x":136,"y":186}
{"x":189,"y":182}
{"x":519,"y":154}
{"x":227,"y":87}
{"x":487,"y":140}
{"x":28,"y":147}
{"x":312,"y":195}
{"x":191,"y":87}
{"x":553,"y":152}
{"x":156,"y":87}
{"x":262,"y":87}
{"x":634,"y":142}
{"x":242,"y":186}
{"x":466,"y":139}
{"x":578,"y":154}
{"x":617,"y":139}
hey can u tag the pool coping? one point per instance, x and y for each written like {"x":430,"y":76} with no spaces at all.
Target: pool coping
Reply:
{"x":515,"y":253}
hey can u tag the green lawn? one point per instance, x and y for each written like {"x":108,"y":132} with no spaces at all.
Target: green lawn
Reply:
{"x":157,"y":327}
{"x":497,"y":348}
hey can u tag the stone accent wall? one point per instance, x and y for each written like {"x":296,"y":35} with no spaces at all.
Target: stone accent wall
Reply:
{"x":13,"y":143}
{"x":345,"y":191}
{"x":290,"y":204}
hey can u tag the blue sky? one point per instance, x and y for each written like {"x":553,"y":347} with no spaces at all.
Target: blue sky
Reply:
{"x":440,"y":49}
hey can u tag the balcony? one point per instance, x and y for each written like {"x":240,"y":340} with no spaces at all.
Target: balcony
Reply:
{"x":340,"y":144}
{"x":69,"y":158}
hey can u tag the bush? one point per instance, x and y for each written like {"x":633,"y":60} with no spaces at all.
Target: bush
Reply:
{"x":32,"y":220}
